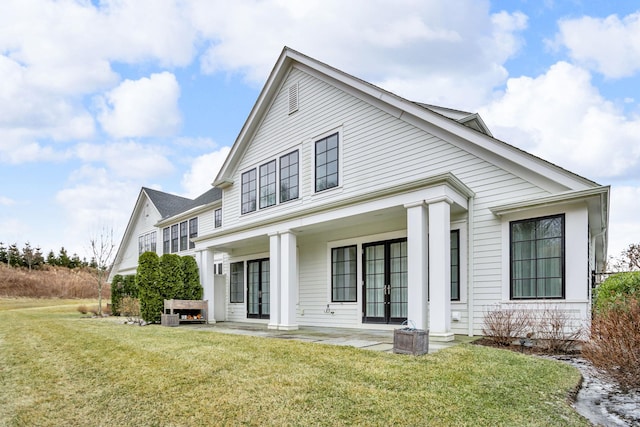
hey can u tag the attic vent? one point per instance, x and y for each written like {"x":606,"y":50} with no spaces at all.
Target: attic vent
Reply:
{"x":293,"y":98}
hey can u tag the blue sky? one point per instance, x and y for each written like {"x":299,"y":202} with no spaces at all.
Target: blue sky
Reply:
{"x":100,"y":98}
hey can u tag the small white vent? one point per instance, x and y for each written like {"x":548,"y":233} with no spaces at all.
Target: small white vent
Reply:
{"x":293,"y":98}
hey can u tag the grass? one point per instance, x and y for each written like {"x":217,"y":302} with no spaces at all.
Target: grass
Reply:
{"x":57,"y":368}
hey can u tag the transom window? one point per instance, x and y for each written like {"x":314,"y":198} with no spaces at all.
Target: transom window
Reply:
{"x":249,"y":191}
{"x":268,"y":184}
{"x":326,"y":151}
{"x":289,"y":176}
{"x":344,"y":274}
{"x":537,"y":258}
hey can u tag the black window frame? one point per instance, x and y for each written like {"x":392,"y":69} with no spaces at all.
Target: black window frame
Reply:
{"x":536,"y":240}
{"x":352,"y":274}
{"x":166,"y":240}
{"x":184,"y":235}
{"x":268,"y":184}
{"x":193,"y":231}
{"x":217,"y":218}
{"x":236,"y":288}
{"x":288,"y":176}
{"x":322,"y":162}
{"x":175,"y":238}
{"x":455,"y":266}
{"x":248,"y":193}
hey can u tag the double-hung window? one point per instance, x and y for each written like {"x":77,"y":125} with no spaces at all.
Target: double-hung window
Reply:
{"x":166,"y":240}
{"x":174,"y":238}
{"x":217,"y":218}
{"x":344,"y":274}
{"x":268,"y":184}
{"x":193,"y":231}
{"x":184,"y":237}
{"x":236,"y":281}
{"x":326,"y":152}
{"x":537,"y":258}
{"x":249,"y":191}
{"x":289,"y":176}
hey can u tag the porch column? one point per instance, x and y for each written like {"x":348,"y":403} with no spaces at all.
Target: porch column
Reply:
{"x":288,"y":280}
{"x":204,"y":258}
{"x":417,"y":255}
{"x":440,"y":270}
{"x":274,"y":281}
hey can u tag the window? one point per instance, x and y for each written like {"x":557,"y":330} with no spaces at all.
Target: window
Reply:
{"x":183,"y":236}
{"x":344,"y":274}
{"x":327,"y":163}
{"x":455,"y":265}
{"x":147,"y":243}
{"x":249,"y":191}
{"x":193,"y":231}
{"x":217,"y":218}
{"x":537,"y":258}
{"x":236,"y":281}
{"x":166,"y":240}
{"x":268,"y":184}
{"x":289,"y":177}
{"x":174,"y":238}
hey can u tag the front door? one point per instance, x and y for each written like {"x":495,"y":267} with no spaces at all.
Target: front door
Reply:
{"x":258,"y":288}
{"x":385,"y":282}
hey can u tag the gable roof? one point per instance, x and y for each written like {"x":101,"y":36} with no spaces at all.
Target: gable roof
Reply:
{"x":454,"y":126}
{"x":170,"y":205}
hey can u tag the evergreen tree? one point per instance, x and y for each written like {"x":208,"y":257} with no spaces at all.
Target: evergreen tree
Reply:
{"x":15,"y":258}
{"x":171,"y":276}
{"x":148,"y":283}
{"x":38,"y":259}
{"x":63,"y":258}
{"x":28,"y":255}
{"x":192,"y":287}
{"x":4,"y":255}
{"x":130,"y":288}
{"x":117,"y":293}
{"x":75,"y":261}
{"x":51,"y":258}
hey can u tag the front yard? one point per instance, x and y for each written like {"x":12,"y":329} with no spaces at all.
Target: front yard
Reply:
{"x":57,"y":368}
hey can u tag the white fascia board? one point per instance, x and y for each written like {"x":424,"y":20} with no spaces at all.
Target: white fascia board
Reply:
{"x":554,"y":199}
{"x":189,"y":214}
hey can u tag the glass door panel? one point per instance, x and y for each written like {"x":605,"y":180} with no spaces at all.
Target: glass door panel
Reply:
{"x":258,"y":286}
{"x":385,"y":282}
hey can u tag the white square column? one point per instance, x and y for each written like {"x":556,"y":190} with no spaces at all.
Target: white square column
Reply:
{"x":274,"y":281}
{"x":440,"y":270}
{"x":417,"y":267}
{"x":205,"y":261}
{"x":288,"y":280}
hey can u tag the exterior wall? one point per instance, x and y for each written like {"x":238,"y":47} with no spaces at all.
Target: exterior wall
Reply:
{"x":143,"y":221}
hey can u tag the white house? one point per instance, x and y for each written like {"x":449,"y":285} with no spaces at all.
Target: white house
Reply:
{"x":344,"y":205}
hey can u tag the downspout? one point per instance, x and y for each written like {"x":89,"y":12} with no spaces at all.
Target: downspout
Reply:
{"x":470,"y":264}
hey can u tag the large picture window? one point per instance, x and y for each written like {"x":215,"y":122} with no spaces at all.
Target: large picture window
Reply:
{"x":327,"y":163}
{"x":344,"y":274}
{"x":289,"y":176}
{"x":455,"y":265}
{"x":537,"y":258}
{"x":236,"y":281}
{"x":249,"y":191}
{"x":268,"y":184}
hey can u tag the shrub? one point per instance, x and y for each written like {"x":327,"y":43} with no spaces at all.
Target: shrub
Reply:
{"x":192,"y":287}
{"x":616,"y":289}
{"x":148,"y":282}
{"x":130,"y":308}
{"x":615,"y":342}
{"x":502,"y":326}
{"x":171,"y":276}
{"x":554,"y":330}
{"x":117,"y":293}
{"x":129,"y":286}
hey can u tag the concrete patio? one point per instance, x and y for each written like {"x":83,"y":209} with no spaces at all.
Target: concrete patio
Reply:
{"x":367,"y":339}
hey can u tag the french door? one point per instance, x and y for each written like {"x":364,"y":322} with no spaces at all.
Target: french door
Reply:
{"x":258,"y":288}
{"x":385,"y":282}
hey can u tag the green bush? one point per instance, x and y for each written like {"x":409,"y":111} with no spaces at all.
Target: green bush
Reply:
{"x":149,"y":287}
{"x":192,"y":287}
{"x":130,"y":288}
{"x":117,"y":293}
{"x":171,"y":276}
{"x":617,"y":289}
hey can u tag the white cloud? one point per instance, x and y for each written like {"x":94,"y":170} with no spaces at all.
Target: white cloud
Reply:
{"x":127,"y":159}
{"x":609,"y":45}
{"x":6,"y":201}
{"x":561,"y":117}
{"x":416,"y":42}
{"x":204,"y":169}
{"x":141,"y":108}
{"x":625,"y":228}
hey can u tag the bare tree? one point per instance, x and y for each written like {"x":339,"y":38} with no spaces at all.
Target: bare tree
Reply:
{"x":632,"y":255}
{"x":102,"y":247}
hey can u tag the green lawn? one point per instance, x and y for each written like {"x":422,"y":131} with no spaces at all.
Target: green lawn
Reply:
{"x":57,"y":369}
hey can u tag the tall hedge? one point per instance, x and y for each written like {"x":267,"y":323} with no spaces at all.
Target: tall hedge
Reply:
{"x":117,"y":292}
{"x":130,"y":289}
{"x":171,"y":276}
{"x":192,"y":287}
{"x":149,"y":287}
